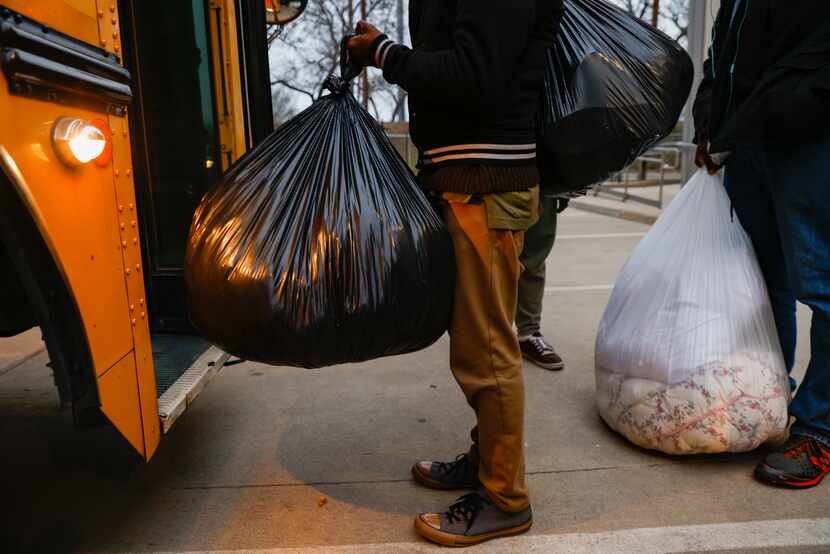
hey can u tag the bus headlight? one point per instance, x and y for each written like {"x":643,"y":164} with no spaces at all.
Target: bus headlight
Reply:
{"x":77,"y":142}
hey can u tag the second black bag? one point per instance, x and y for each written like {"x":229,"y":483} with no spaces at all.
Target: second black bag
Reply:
{"x":614,"y":87}
{"x":318,"y":248}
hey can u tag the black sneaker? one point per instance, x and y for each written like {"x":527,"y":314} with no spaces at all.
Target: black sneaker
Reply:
{"x":471,"y":520}
{"x":800,"y":464}
{"x":536,"y":349}
{"x":459,"y":474}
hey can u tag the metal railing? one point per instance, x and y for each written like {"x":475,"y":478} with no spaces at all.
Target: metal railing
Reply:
{"x":659,"y":167}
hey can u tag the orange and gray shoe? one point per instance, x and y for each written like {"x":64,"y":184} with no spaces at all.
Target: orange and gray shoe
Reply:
{"x":473,"y":519}
{"x":801,"y":463}
{"x":460,"y":474}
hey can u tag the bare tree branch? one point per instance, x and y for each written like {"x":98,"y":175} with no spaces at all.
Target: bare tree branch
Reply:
{"x":289,"y":86}
{"x":308,"y":49}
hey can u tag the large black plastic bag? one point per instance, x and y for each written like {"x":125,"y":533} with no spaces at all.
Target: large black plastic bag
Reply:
{"x":318,"y":247}
{"x":614,"y":87}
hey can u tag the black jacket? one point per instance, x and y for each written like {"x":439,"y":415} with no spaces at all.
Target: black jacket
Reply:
{"x":474,"y":77}
{"x":767,"y":79}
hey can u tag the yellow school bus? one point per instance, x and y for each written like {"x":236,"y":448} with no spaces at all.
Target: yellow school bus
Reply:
{"x":115,"y":117}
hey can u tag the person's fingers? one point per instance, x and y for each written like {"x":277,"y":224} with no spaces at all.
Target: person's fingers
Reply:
{"x":362,"y":27}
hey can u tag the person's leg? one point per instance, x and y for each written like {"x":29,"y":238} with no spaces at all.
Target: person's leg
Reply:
{"x":538,"y":244}
{"x":802,"y":200}
{"x":484,"y":351}
{"x":801,"y":176}
{"x":748,"y":184}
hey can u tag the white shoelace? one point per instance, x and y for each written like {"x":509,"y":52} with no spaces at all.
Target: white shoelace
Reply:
{"x":541,"y":345}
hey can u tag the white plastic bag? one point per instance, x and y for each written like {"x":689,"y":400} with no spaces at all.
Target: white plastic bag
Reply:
{"x":688,"y":359}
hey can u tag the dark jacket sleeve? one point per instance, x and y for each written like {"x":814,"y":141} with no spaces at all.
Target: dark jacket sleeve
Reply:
{"x":702,"y":107}
{"x":477,"y":71}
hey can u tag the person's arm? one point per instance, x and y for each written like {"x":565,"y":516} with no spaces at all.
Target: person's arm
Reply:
{"x":702,"y":107}
{"x":476,"y":73}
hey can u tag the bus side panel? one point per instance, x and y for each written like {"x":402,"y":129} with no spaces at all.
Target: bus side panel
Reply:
{"x":125,"y":194}
{"x":118,"y":391}
{"x":79,"y":217}
{"x":73,"y":17}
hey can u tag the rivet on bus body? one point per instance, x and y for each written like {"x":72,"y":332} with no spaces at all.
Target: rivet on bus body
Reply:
{"x":103,"y":42}
{"x":132,"y":223}
{"x":141,"y":301}
{"x":124,"y":244}
{"x":132,"y":307}
{"x":112,"y":8}
{"x":138,"y":267}
{"x":116,"y":48}
{"x":115,"y":34}
{"x":131,"y":206}
{"x":123,"y":226}
{"x":127,"y":270}
{"x":124,"y":132}
{"x":112,"y":20}
{"x":134,"y":322}
{"x":129,"y":172}
{"x":135,"y":240}
{"x":142,"y":315}
{"x":100,"y":13}
{"x":117,"y":173}
{"x":120,"y":207}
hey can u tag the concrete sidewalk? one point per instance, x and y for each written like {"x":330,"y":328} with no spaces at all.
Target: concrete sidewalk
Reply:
{"x":16,"y":350}
{"x":287,"y":460}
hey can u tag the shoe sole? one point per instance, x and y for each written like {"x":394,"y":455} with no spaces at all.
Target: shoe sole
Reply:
{"x":428,"y":482}
{"x":772,"y":476}
{"x":448,"y":539}
{"x":552,"y":367}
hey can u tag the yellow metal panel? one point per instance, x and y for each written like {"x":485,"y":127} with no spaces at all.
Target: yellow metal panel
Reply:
{"x":118,"y":392}
{"x":130,"y":239}
{"x":234,"y":72}
{"x":79,"y":212}
{"x":228,"y":80}
{"x":109,"y":34}
{"x":128,"y":223}
{"x":76,"y":18}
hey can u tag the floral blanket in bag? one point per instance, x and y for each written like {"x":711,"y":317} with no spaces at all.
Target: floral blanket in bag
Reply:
{"x":721,"y":407}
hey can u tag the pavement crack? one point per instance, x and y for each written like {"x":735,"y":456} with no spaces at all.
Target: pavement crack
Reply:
{"x":386,"y":481}
{"x":4,"y":370}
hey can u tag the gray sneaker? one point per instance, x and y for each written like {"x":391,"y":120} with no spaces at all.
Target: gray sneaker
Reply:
{"x":459,"y":474}
{"x":471,"y":520}
{"x":537,"y":350}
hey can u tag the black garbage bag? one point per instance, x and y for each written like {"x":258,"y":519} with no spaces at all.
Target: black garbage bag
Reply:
{"x":614,"y":87}
{"x":318,"y":247}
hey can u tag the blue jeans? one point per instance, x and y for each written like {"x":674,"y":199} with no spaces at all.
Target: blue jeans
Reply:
{"x":782,"y":198}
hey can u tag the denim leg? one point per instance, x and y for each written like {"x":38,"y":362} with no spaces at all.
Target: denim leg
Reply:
{"x":802,"y":202}
{"x":748,"y":185}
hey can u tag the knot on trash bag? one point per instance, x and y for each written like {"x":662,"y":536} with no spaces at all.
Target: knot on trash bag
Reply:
{"x":337,"y":84}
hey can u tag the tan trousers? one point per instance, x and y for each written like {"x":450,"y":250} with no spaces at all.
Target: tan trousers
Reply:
{"x":484,"y":351}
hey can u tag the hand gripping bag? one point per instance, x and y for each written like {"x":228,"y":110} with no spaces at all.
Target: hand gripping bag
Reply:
{"x":614,"y":87}
{"x":318,"y":247}
{"x":688,"y":358}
